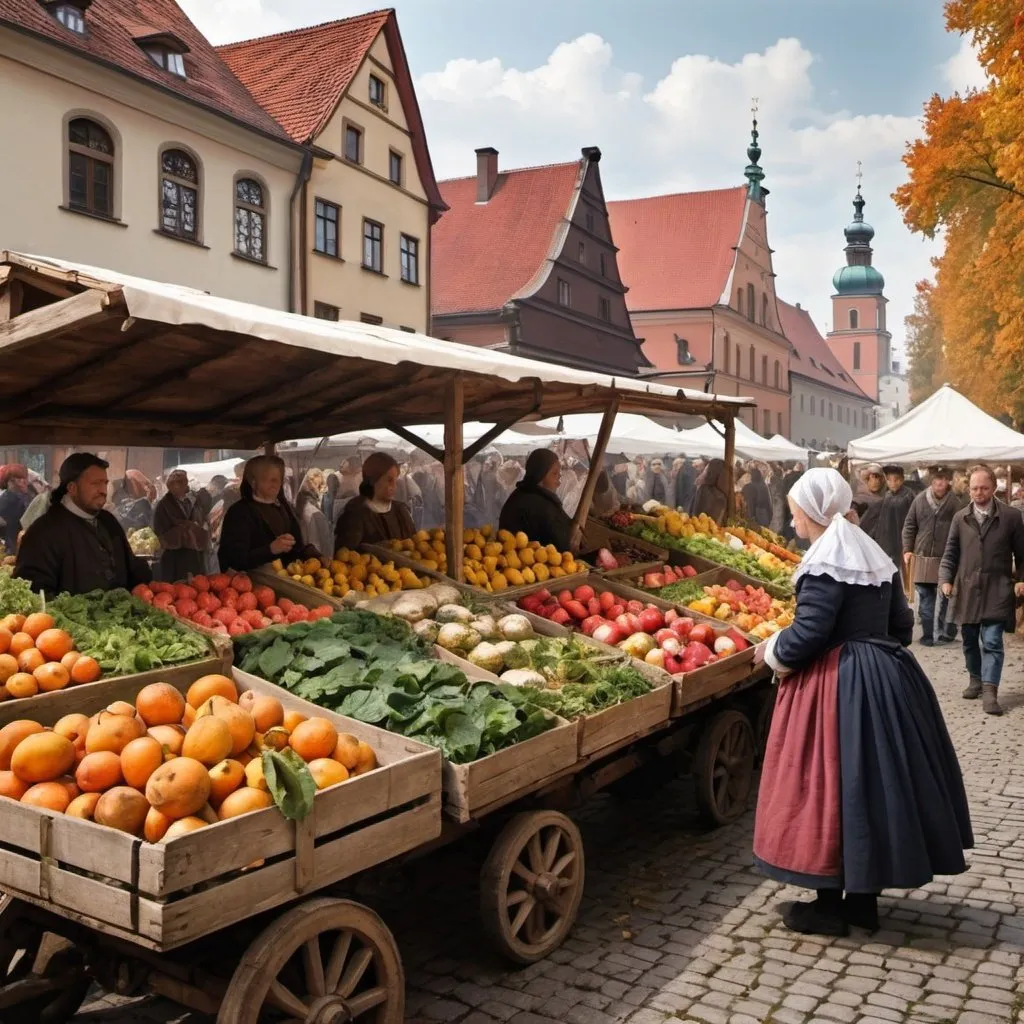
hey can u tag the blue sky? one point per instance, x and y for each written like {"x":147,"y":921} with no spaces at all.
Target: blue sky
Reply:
{"x":664,"y":88}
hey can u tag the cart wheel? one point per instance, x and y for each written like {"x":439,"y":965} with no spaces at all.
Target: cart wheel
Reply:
{"x":323,"y":962}
{"x":531,"y":885}
{"x":724,"y":767}
{"x":20,"y":966}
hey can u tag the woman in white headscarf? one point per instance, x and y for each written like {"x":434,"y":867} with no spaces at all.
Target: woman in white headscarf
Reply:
{"x":861,"y":790}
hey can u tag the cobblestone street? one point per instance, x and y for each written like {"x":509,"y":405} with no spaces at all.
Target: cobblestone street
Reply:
{"x":675,"y":925}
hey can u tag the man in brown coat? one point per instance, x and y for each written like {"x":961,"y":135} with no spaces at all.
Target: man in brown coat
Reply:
{"x":984,"y":550}
{"x":924,"y":540}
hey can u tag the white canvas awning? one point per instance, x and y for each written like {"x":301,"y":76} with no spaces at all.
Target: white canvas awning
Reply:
{"x":631,"y":434}
{"x":707,"y":442}
{"x":201,"y":473}
{"x":946,"y":428}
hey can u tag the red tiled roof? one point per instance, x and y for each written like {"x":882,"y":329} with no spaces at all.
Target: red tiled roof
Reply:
{"x":113,"y":25}
{"x":483,"y":254}
{"x":298,"y":77}
{"x":811,"y":357}
{"x":676,"y":251}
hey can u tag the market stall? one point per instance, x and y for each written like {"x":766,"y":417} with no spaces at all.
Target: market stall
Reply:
{"x":102,"y":355}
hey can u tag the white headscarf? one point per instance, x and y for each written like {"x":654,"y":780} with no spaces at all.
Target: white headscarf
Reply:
{"x":844,"y":551}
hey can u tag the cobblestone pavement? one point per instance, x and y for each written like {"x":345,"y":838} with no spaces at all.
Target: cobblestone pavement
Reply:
{"x":675,"y":925}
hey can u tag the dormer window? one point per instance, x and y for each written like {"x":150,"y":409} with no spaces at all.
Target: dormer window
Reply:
{"x":71,"y":17}
{"x":167,"y":59}
{"x":164,"y":49}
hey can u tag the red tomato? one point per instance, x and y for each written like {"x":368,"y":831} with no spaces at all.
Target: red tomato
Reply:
{"x":264,"y":597}
{"x":702,"y":634}
{"x":241,"y":583}
{"x":220,"y":582}
{"x":225,"y":615}
{"x":247,"y":602}
{"x":182,"y":592}
{"x":201,"y":583}
{"x":186,"y":607}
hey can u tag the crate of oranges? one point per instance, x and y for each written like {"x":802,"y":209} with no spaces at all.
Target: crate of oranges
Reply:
{"x":494,"y":561}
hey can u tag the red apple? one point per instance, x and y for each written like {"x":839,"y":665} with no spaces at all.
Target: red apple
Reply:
{"x":651,"y":620}
{"x":702,"y":634}
{"x":664,"y":634}
{"x":682,"y":626}
{"x":584,"y":593}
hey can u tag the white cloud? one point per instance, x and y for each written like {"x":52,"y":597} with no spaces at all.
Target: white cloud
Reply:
{"x":690,"y":130}
{"x":962,"y":71}
{"x":225,"y":21}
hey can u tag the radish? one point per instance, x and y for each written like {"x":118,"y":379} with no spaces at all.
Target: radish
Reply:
{"x":651,"y":620}
{"x":664,"y":634}
{"x":584,"y":593}
{"x":609,"y":633}
{"x":672,"y":645}
{"x":590,"y":624}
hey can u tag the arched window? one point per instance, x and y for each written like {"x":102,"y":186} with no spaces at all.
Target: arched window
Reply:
{"x":778,"y":374}
{"x":812,"y":405}
{"x":854,"y":319}
{"x":753,"y":363}
{"x":90,"y":168}
{"x":764,"y":369}
{"x":250,"y":220}
{"x":764,"y":309}
{"x":739,"y":362}
{"x":728,"y":353}
{"x":179,"y":195}
{"x":739,"y":301}
{"x":751,"y":308}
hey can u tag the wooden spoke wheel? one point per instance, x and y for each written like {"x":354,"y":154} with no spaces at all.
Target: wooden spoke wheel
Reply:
{"x":531,"y":885}
{"x":42,"y":979}
{"x":323,"y":962}
{"x":724,"y":767}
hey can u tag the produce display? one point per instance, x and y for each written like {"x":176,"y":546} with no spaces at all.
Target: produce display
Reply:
{"x":747,"y":608}
{"x":620,"y":554}
{"x":143,"y":542}
{"x":492,"y":560}
{"x":171,"y":763}
{"x":227,"y":604}
{"x":666,"y":576}
{"x":123,"y":634}
{"x":17,"y":596}
{"x":665,"y":639}
{"x":351,"y":572}
{"x":375,"y":669}
{"x":701,"y":536}
{"x":36,"y":656}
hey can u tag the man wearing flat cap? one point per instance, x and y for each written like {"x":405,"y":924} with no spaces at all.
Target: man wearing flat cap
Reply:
{"x":77,"y":546}
{"x":924,"y":541}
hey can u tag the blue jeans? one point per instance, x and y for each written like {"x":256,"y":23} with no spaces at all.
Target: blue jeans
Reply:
{"x":931,"y":608}
{"x":983,"y":650}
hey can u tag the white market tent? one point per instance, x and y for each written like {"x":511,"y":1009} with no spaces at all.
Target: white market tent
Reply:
{"x":201,"y":473}
{"x":799,"y":454}
{"x":632,"y":434}
{"x":946,"y":428}
{"x":707,"y":442}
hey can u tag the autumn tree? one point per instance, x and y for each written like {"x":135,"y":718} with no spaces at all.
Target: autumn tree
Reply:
{"x":924,"y":345}
{"x":966,"y":180}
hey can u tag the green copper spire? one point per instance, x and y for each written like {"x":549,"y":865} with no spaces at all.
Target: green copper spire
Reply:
{"x":754,"y":173}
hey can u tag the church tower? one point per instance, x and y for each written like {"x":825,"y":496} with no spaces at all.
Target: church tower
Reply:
{"x":859,"y":337}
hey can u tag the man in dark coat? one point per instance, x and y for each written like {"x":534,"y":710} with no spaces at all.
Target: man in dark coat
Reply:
{"x":77,"y":546}
{"x":892,"y":514}
{"x":924,"y":542}
{"x":984,"y":553}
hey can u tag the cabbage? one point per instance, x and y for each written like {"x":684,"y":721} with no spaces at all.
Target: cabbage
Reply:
{"x":442,"y":593}
{"x":453,"y":613}
{"x":513,"y":655}
{"x":486,"y":656}
{"x":486,"y":627}
{"x":457,"y":637}
{"x":427,"y":630}
{"x":409,"y":607}
{"x":515,"y":627}
{"x":523,"y":677}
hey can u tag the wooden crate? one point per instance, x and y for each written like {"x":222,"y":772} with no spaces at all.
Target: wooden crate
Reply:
{"x":616,"y":725}
{"x":598,"y":534}
{"x":694,"y":688}
{"x":165,"y":895}
{"x":285,"y":586}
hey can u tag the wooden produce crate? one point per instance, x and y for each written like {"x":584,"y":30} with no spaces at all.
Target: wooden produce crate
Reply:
{"x":509,"y":593}
{"x":598,"y":534}
{"x":285,"y":586}
{"x":164,"y":895}
{"x":619,"y":725}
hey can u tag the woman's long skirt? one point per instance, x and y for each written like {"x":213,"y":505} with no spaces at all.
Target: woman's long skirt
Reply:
{"x":861,"y":789}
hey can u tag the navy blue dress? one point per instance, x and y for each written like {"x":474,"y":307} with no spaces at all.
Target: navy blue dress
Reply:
{"x":861,"y":788}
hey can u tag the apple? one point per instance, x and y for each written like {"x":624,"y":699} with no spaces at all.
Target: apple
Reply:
{"x":670,"y":616}
{"x":651,"y":620}
{"x":689,"y":572}
{"x":682,"y":627}
{"x":614,"y":611}
{"x":655,"y":658}
{"x":696,"y":656}
{"x":654,"y":580}
{"x":636,"y":607}
{"x":607,"y":599}
{"x":561,"y":617}
{"x":664,"y":634}
{"x":673,"y":665}
{"x":703,"y":634}
{"x":564,"y":597}
{"x":584,"y":593}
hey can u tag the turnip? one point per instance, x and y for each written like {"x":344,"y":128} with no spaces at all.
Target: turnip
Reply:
{"x":655,"y":658}
{"x":724,"y":646}
{"x":609,"y":633}
{"x":672,"y":645}
{"x":682,"y":627}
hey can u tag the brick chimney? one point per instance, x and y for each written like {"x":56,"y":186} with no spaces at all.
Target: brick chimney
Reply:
{"x":486,"y":172}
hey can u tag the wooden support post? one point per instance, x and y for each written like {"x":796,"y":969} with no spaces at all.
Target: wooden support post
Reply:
{"x":270,"y":448}
{"x":730,"y":467}
{"x":454,"y":476}
{"x":596,"y":465}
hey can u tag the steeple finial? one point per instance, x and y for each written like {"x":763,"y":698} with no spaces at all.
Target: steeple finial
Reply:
{"x":754,"y":173}
{"x":858,"y":201}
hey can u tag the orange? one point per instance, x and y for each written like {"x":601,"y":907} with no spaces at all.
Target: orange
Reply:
{"x":54,"y":643}
{"x":13,"y":623}
{"x":8,"y":666}
{"x":42,"y":757}
{"x":347,"y":750}
{"x":51,"y":796}
{"x":99,"y":771}
{"x":209,"y":686}
{"x":209,"y":740}
{"x":121,"y":707}
{"x":179,"y":787}
{"x":11,"y":735}
{"x":37,"y":623}
{"x":75,"y":727}
{"x":327,"y":772}
{"x":110,"y":731}
{"x":20,"y":643}
{"x":170,"y":737}
{"x":267,"y":712}
{"x":85,"y":670}
{"x":30,"y":660}
{"x":225,"y":777}
{"x":275,"y":739}
{"x":160,"y":704}
{"x":5,"y":639}
{"x":69,"y":659}
{"x":70,"y":785}
{"x":211,"y":706}
{"x":156,"y":825}
{"x":11,"y":786}
{"x":140,"y":759}
{"x":122,"y":808}
{"x":367,"y":759}
{"x":83,"y":806}
{"x":240,"y":724}
{"x":292,"y":719}
{"x":189,"y":716}
{"x":182,"y":827}
{"x":243,"y":801}
{"x":22,"y":684}
{"x":316,"y":737}
{"x":52,"y":676}
{"x":254,"y":777}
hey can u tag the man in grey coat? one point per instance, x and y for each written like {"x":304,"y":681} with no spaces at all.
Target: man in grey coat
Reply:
{"x":924,"y":541}
{"x":984,"y":552}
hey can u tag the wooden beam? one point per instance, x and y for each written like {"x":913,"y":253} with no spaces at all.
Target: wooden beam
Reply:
{"x":596,"y":465}
{"x":454,"y":476}
{"x":730,"y":462}
{"x":10,"y":298}
{"x":414,"y":439}
{"x":40,"y":325}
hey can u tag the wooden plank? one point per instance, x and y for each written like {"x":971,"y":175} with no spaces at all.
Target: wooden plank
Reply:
{"x":298,"y":593}
{"x":437,"y":454}
{"x":19,"y":874}
{"x":694,"y":687}
{"x":93,"y":848}
{"x":40,"y":325}
{"x":597,"y":534}
{"x":454,"y":476}
{"x":596,"y":465}
{"x":632,"y":718}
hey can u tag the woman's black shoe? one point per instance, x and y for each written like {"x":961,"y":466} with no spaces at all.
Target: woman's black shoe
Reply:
{"x":861,"y":910}
{"x":814,"y":918}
